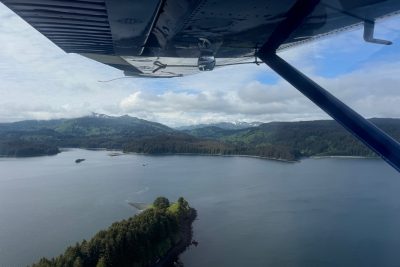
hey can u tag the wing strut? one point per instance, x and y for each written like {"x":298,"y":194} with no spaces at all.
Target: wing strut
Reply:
{"x":368,"y":133}
{"x":369,"y":27}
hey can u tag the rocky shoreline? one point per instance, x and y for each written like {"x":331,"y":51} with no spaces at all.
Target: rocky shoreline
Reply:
{"x":171,"y":259}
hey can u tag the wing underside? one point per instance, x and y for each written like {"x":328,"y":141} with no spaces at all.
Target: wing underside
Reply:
{"x":160,"y":38}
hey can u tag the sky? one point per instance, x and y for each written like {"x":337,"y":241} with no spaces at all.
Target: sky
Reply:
{"x":38,"y":80}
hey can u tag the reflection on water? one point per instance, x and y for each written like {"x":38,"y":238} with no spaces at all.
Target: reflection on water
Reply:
{"x":251,"y":212}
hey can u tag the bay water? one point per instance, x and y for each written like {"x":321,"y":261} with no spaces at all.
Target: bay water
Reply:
{"x":251,"y":212}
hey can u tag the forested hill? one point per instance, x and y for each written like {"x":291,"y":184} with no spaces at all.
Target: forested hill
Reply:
{"x":95,"y":131}
{"x":278,"y":140}
{"x":293,"y":140}
{"x":96,"y":124}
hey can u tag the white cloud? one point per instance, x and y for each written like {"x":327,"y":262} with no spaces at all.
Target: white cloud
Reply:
{"x":373,"y":91}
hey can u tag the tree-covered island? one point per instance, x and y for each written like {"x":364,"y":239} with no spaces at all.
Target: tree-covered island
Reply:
{"x":154,"y":237}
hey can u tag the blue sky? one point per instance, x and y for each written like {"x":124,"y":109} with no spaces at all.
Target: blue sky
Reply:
{"x":40,"y":81}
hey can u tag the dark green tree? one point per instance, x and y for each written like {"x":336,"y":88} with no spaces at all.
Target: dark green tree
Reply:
{"x":161,"y":203}
{"x":78,"y":262}
{"x":101,"y":263}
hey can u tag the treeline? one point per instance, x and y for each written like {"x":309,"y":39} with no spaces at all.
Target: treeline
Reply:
{"x":139,"y":241}
{"x":308,"y":138}
{"x":25,"y":145}
{"x":23,"y":148}
{"x":167,"y":144}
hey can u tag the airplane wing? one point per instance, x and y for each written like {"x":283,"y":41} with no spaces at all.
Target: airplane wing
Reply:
{"x":169,"y":38}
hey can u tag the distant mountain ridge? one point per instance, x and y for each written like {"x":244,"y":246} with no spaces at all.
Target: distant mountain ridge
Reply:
{"x":223,"y":125}
{"x":25,"y":138}
{"x":275,"y":140}
{"x":93,"y":124}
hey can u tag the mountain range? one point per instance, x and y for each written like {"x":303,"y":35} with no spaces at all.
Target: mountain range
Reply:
{"x":277,"y":140}
{"x":237,"y":125}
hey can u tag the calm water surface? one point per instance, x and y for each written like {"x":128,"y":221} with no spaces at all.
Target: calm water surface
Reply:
{"x":251,"y":212}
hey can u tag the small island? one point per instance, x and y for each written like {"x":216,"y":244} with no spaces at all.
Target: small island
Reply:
{"x":154,"y":237}
{"x":79,"y":160}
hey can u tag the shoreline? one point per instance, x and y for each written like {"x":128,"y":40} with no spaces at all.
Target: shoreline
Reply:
{"x":63,"y":149}
{"x":30,"y":156}
{"x":214,"y":155}
{"x":343,"y":157}
{"x":66,"y":149}
{"x":186,"y":235}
